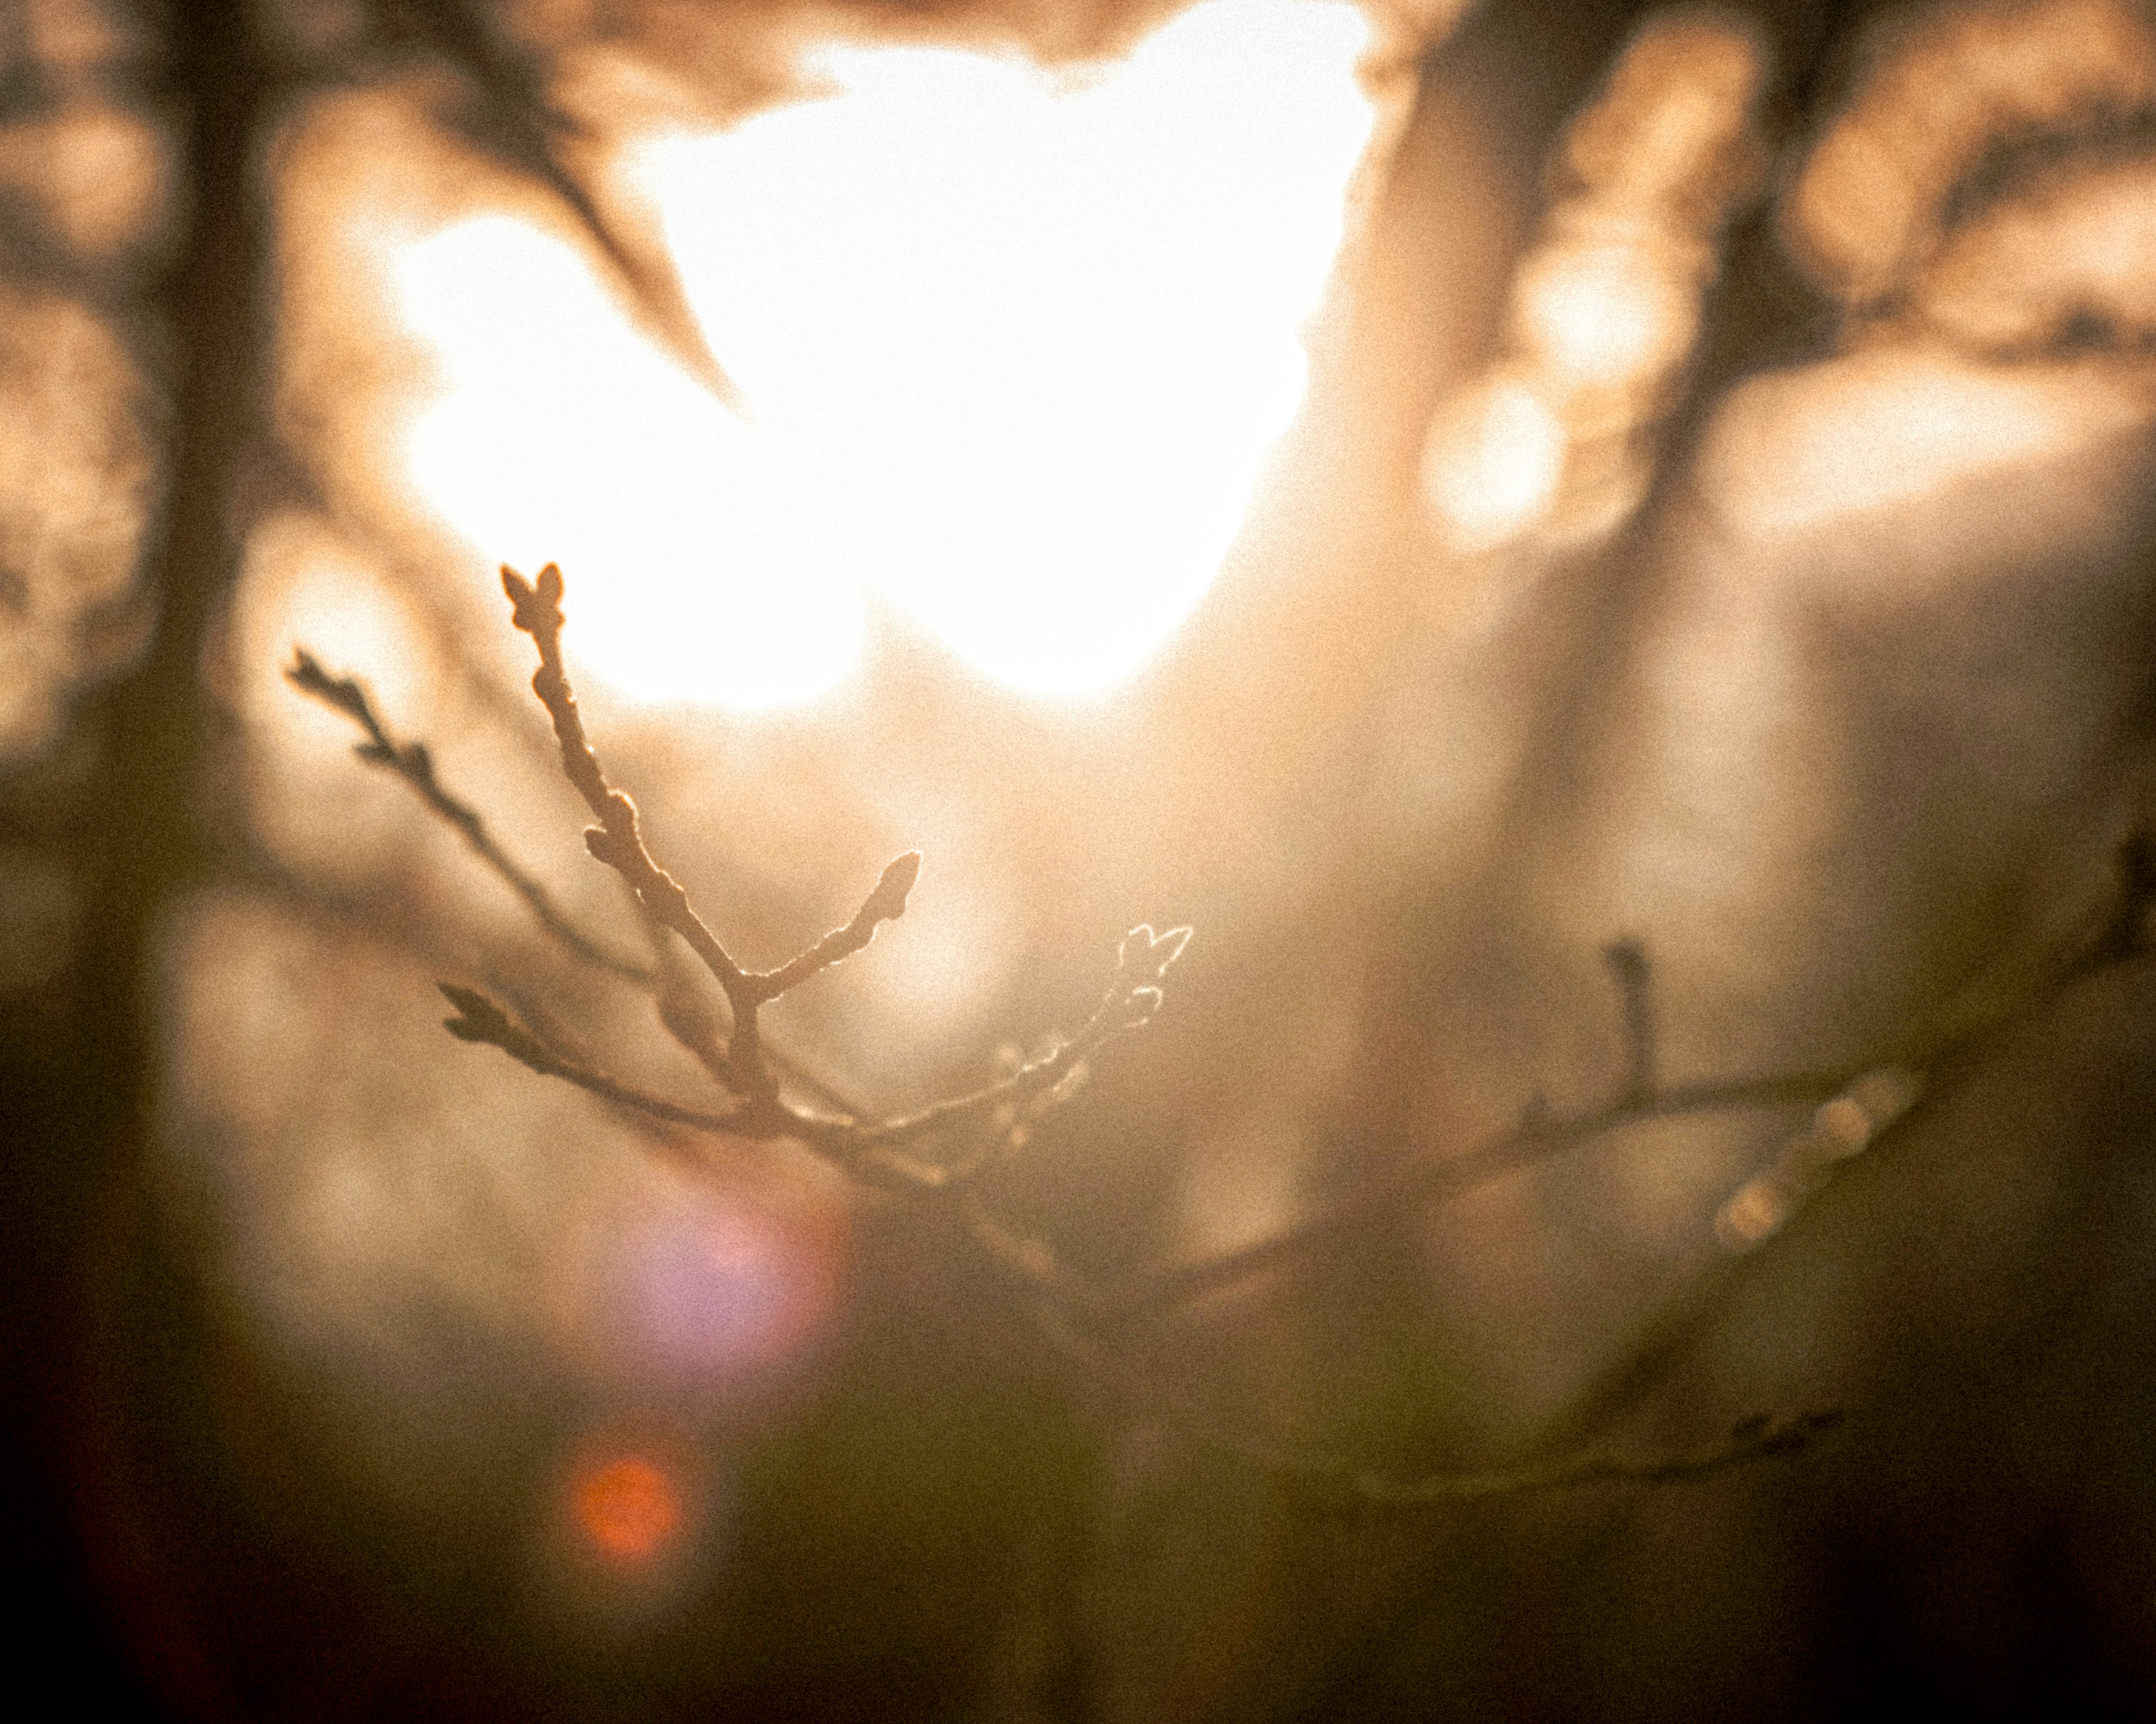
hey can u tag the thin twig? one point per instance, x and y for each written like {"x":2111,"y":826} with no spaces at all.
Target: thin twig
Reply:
{"x":2107,"y":933}
{"x":480,"y":1019}
{"x":413,"y":762}
{"x":1321,"y":1474}
{"x":1428,"y":1181}
{"x":680,"y":1012}
{"x":616,"y":841}
{"x":886,"y":903}
{"x":1133,"y":997}
{"x":1761,"y":1436}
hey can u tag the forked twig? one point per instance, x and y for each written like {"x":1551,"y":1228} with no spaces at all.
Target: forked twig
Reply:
{"x":536,"y":609}
{"x":744,"y":1067}
{"x":412,"y":764}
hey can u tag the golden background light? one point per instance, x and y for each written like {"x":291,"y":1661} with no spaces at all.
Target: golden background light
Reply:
{"x":1679,"y":481}
{"x":1014,"y":344}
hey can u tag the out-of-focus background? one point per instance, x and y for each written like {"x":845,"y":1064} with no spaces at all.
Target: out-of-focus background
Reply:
{"x":1422,"y":494}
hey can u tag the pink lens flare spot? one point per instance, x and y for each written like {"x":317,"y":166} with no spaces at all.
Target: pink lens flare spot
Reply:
{"x":728,"y":1288}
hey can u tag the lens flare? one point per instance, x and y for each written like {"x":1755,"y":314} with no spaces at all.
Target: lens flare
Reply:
{"x":719,"y":1292}
{"x":628,"y":1508}
{"x":1014,"y":343}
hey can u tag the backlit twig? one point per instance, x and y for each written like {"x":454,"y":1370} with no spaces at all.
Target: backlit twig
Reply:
{"x":414,"y":763}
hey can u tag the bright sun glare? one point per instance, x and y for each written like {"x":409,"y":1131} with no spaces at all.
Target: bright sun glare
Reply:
{"x":1014,"y":347}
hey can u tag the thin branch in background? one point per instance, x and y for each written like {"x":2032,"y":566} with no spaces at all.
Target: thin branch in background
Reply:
{"x":512,"y":120}
{"x":1628,"y":967}
{"x":2108,"y":931}
{"x":413,"y":762}
{"x":1537,"y":1138}
{"x":1326,"y":1480}
{"x":1759,"y":1436}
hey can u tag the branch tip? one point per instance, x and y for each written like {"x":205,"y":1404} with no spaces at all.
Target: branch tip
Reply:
{"x":536,"y":609}
{"x":888,"y":902}
{"x":1146,"y":952}
{"x":885,"y":902}
{"x":478,"y":1019}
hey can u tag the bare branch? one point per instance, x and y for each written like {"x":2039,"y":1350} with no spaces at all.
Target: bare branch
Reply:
{"x":886,"y":903}
{"x":512,"y":120}
{"x":681,"y":1013}
{"x":414,"y":764}
{"x":1535,"y":1139}
{"x":1761,"y":1436}
{"x":867,"y":1150}
{"x":2108,"y":932}
{"x":1130,"y":1003}
{"x":480,"y":1019}
{"x":1330,"y":1480}
{"x":536,"y":609}
{"x":616,"y":841}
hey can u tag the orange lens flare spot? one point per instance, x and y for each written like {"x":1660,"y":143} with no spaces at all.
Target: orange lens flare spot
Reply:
{"x":629,"y":1508}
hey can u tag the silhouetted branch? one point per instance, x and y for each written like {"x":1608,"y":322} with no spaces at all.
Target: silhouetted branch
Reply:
{"x":1628,"y":966}
{"x":1537,"y":1138}
{"x":866,"y":1147}
{"x":886,"y":903}
{"x":480,"y":1019}
{"x":413,"y":763}
{"x":1858,"y":1103}
{"x":511,"y":119}
{"x":681,"y":1010}
{"x":1760,"y":1436}
{"x":1323,"y":1479}
{"x":537,"y":611}
{"x":1855,"y":1106}
{"x":617,"y":842}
